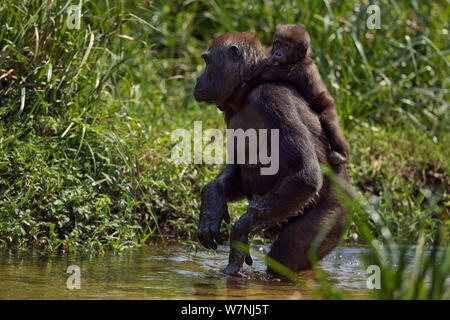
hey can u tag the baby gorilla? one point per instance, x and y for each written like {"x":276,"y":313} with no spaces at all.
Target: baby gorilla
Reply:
{"x":291,"y":62}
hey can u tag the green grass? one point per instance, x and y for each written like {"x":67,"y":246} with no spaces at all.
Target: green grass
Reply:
{"x":421,"y":274}
{"x":86,"y":115}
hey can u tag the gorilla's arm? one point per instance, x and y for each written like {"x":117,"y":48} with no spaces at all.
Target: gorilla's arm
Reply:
{"x":215,"y":195}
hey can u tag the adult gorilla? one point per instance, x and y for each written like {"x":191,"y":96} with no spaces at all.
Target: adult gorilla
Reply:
{"x":298,"y":197}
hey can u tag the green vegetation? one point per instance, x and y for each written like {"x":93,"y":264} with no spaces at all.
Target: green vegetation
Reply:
{"x":86,"y":116}
{"x":402,"y":274}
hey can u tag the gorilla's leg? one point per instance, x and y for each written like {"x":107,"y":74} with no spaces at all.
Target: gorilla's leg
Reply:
{"x":292,"y":246}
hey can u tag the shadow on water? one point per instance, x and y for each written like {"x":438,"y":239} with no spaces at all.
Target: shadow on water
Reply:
{"x":164,"y":272}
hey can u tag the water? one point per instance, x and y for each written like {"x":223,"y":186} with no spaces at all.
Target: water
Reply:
{"x":165,"y":272}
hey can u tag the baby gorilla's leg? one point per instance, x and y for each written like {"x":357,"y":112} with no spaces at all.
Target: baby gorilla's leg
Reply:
{"x":324,"y":105}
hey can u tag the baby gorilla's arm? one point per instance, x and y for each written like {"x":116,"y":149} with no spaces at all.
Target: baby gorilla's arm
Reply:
{"x":264,"y":72}
{"x":282,"y":72}
{"x":252,"y":80}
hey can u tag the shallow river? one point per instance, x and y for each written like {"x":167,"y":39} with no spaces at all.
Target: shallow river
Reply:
{"x":165,"y":272}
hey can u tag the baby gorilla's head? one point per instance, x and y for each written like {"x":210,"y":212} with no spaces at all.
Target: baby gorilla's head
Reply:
{"x":291,"y":44}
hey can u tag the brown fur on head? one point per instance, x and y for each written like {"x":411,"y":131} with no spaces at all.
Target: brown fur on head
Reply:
{"x":228,"y":59}
{"x":291,"y":44}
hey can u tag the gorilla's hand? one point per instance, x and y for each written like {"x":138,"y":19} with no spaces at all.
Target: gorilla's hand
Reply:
{"x":213,"y":209}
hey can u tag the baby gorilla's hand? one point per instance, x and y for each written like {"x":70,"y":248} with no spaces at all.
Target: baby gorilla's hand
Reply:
{"x":336,"y":158}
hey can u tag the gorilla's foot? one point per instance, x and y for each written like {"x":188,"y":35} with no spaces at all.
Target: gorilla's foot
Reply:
{"x":235,"y":262}
{"x":232,"y":270}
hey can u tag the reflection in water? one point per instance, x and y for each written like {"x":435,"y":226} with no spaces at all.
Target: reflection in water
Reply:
{"x":164,"y":272}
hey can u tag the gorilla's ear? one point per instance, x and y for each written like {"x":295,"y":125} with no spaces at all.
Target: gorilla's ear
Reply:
{"x":302,"y":50}
{"x":235,"y":52}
